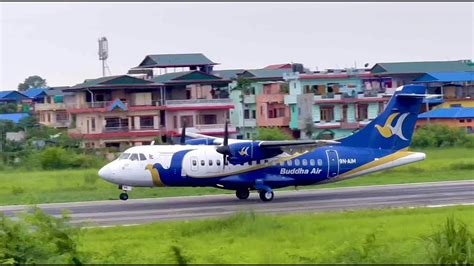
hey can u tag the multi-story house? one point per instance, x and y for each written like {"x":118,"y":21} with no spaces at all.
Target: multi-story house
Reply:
{"x":115,"y":111}
{"x":335,"y":102}
{"x":260,"y":103}
{"x":49,"y":107}
{"x":118,"y":111}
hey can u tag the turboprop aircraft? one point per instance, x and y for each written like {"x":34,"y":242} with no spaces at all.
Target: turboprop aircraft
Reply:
{"x":245,"y":165}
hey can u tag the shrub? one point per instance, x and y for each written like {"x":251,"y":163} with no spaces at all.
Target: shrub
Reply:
{"x":38,"y":238}
{"x":54,"y":158}
{"x":441,"y":136}
{"x":452,"y":244}
{"x":272,"y":133}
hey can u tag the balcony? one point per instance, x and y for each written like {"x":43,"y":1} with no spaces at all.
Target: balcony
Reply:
{"x":196,"y":104}
{"x":274,"y":122}
{"x":127,"y":129}
{"x":271,"y":98}
{"x":101,"y":106}
{"x":349,"y":125}
{"x":328,"y":97}
{"x":211,"y":129}
{"x":49,"y":106}
{"x":249,"y":98}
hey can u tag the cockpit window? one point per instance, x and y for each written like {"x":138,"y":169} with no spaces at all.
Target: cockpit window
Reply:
{"x":124,"y":156}
{"x":134,"y":157}
{"x":142,"y":157}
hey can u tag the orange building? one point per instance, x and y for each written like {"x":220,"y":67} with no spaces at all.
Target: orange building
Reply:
{"x":460,"y":117}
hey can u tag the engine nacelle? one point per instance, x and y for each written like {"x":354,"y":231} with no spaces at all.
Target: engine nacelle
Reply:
{"x":250,"y":151}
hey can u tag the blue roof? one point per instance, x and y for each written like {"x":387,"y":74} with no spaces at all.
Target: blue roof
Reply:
{"x":15,"y":117}
{"x":446,"y":77}
{"x":452,"y":112}
{"x":12,"y":95}
{"x":32,"y":93}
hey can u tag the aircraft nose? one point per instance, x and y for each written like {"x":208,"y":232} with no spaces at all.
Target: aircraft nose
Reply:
{"x":106,"y":173}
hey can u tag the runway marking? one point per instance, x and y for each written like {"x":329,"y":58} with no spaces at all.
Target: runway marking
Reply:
{"x":449,"y":205}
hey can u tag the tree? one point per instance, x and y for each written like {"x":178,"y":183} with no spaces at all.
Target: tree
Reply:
{"x":272,"y":133}
{"x":8,"y":108}
{"x":243,"y":85}
{"x":32,"y":82}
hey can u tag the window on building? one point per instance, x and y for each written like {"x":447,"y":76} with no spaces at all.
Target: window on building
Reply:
{"x":93,"y":124}
{"x":187,"y":120}
{"x":461,"y":120}
{"x":146,"y":122}
{"x":327,"y":113}
{"x":307,"y":89}
{"x":254,"y":114}
{"x":469,"y":120}
{"x":246,"y":113}
{"x":362,"y":111}
{"x":208,"y":119}
{"x":61,"y":116}
{"x":455,"y":105}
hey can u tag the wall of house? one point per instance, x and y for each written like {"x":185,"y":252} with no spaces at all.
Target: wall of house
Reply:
{"x":464,"y":123}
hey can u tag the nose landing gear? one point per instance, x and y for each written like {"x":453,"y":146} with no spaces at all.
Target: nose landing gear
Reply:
{"x":125,"y":189}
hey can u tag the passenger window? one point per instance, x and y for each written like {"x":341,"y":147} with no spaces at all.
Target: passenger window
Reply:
{"x":134,"y":157}
{"x":266,"y":161}
{"x":312,"y":162}
{"x":320,"y":162}
{"x":203,"y":162}
{"x":289,"y":162}
{"x":282,"y":163}
{"x":210,"y":162}
{"x":250,"y":162}
{"x":304,"y":162}
{"x":124,"y":156}
{"x":218,"y":162}
{"x":142,"y":157}
{"x":194,"y":163}
{"x":297,"y":162}
{"x":258,"y":161}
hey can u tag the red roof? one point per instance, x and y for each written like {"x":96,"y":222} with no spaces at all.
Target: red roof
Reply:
{"x":278,"y":66}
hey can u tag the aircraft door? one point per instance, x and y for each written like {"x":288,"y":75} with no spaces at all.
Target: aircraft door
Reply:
{"x":333,"y":163}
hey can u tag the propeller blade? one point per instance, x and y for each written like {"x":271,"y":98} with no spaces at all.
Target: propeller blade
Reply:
{"x":183,"y":135}
{"x":226,"y":134}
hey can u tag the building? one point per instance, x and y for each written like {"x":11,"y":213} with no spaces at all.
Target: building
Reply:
{"x":135,"y":109}
{"x":13,"y":97}
{"x":335,"y":102}
{"x":457,"y":89}
{"x":115,"y":111}
{"x":49,"y":107}
{"x":261,"y":102}
{"x":461,"y":117}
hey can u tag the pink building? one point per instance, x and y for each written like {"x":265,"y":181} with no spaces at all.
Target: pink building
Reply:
{"x":271,"y":109}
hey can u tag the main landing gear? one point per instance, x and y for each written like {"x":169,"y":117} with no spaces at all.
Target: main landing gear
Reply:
{"x":265,"y":193}
{"x":124,"y":194}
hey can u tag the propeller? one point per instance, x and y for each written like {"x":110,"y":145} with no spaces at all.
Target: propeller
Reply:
{"x":183,"y":135}
{"x":224,"y":149}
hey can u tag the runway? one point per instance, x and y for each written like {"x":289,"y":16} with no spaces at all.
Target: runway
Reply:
{"x":138,"y":211}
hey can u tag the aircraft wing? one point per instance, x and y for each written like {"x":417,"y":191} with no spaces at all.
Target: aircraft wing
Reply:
{"x":286,"y":143}
{"x":215,"y":140}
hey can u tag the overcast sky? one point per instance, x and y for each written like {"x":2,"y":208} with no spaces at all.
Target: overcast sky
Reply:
{"x":58,"y":41}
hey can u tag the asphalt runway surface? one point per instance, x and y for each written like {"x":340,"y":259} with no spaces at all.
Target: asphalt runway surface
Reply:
{"x":138,"y":211}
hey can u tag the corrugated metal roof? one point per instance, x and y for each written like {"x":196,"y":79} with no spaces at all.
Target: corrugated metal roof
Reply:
{"x":278,"y":66}
{"x":5,"y":94}
{"x":446,"y":77}
{"x":15,"y":117}
{"x":228,"y":73}
{"x":175,"y":60}
{"x":112,"y":81}
{"x":421,"y":67}
{"x":32,"y":93}
{"x":170,"y":76}
{"x":268,"y":73}
{"x":453,"y":112}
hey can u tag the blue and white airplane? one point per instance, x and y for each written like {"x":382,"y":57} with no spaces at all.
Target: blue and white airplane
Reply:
{"x":245,"y":165}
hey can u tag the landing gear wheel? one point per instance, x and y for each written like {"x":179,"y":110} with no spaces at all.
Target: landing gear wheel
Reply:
{"x":266,"y":195}
{"x":123,"y":196}
{"x":242,"y":194}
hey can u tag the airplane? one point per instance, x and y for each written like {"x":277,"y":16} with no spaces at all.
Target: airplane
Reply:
{"x":246,"y":165}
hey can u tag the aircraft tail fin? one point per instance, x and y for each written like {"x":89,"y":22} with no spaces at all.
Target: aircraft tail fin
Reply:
{"x":394,"y":127}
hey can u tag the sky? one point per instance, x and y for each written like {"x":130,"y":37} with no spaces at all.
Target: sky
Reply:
{"x":58,"y":41}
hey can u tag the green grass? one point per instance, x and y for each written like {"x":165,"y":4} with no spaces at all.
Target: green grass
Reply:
{"x":20,"y":187}
{"x":375,"y":236}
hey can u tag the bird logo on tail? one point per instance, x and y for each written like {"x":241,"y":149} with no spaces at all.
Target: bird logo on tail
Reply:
{"x":388,"y":130}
